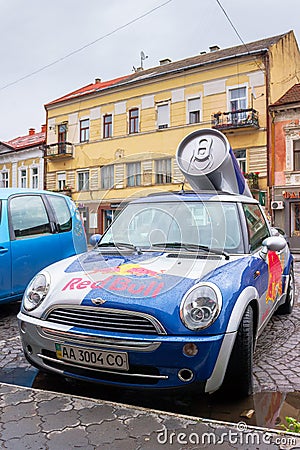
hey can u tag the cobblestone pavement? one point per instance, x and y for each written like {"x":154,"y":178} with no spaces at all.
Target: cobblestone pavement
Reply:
{"x":277,"y":353}
{"x":34,"y":419}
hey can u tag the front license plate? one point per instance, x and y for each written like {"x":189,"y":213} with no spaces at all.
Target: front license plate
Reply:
{"x":93,"y":358}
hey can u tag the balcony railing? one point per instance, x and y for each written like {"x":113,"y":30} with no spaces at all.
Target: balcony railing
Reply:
{"x":242,"y":118}
{"x":60,"y":150}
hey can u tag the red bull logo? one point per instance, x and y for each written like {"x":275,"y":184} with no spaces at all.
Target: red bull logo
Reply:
{"x":121,"y":284}
{"x":275,"y":277}
{"x":131,"y":269}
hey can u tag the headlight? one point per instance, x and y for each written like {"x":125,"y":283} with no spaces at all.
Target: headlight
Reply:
{"x":201,"y":306}
{"x":36,"y":291}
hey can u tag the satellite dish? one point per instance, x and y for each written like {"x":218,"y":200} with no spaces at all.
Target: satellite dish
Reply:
{"x":143,"y":57}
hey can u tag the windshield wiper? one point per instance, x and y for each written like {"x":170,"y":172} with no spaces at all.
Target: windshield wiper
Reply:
{"x":192,"y":247}
{"x":122,"y":244}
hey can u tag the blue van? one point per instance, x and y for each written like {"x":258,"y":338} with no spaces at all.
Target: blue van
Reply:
{"x":37,"y":228}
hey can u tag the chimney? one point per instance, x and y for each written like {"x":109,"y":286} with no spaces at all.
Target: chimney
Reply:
{"x":97,"y":80}
{"x":214,"y":48}
{"x":165,"y":61}
{"x":31,"y":131}
{"x":44,"y":128}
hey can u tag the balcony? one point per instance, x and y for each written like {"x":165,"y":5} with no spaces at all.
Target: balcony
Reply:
{"x":242,"y":118}
{"x":60,"y":150}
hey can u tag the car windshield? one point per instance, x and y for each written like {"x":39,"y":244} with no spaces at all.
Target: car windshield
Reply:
{"x":213,"y":225}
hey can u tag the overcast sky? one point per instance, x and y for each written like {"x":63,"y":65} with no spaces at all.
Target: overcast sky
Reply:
{"x":36,"y":34}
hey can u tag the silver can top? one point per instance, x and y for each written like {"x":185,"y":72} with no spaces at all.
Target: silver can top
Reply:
{"x":202,"y":152}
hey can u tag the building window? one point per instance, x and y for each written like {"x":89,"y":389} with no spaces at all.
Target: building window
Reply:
{"x":133,"y":121}
{"x":295,"y":219}
{"x":163,"y":116}
{"x":241,"y":159}
{"x":84,"y":130}
{"x":83,"y":181}
{"x":238,"y":101}
{"x":296,"y":150}
{"x":194,"y":110}
{"x":4,"y":180}
{"x":62,"y":137}
{"x":107,"y":126}
{"x":133,"y":174}
{"x":61,"y":181}
{"x":107,"y":177}
{"x":163,"y":171}
{"x":35,"y":177}
{"x":23,"y":178}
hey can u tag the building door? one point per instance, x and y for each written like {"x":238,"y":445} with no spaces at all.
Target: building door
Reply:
{"x":294,"y":225}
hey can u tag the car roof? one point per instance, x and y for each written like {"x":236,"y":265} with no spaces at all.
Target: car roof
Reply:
{"x":210,"y":196}
{"x":5,"y":193}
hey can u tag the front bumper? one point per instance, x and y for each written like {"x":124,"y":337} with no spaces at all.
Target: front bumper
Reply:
{"x":154,"y":361}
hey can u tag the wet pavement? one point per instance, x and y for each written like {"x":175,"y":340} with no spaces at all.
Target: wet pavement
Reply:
{"x":54,"y":413}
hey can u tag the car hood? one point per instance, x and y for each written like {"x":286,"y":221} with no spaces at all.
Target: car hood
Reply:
{"x":153,"y":282}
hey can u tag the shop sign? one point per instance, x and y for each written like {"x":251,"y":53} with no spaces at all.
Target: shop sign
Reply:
{"x":291,"y":195}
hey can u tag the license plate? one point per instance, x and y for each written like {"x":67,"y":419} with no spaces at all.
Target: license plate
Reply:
{"x":92,"y":358}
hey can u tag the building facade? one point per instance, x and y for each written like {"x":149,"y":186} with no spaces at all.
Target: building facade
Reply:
{"x":285,"y":175}
{"x":22,"y":160}
{"x":111,"y":141}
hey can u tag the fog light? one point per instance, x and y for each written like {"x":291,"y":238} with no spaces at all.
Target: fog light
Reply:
{"x":190,"y":349}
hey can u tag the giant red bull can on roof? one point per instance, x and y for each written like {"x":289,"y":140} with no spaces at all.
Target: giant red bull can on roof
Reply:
{"x":208,"y":163}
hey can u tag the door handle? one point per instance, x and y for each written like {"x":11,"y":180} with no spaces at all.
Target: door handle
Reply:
{"x":3,"y":250}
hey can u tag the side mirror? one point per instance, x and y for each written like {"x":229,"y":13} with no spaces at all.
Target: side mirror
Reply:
{"x":95,"y":239}
{"x":273,"y":244}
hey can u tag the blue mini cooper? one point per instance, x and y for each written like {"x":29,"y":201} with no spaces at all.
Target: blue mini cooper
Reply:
{"x":174,"y":294}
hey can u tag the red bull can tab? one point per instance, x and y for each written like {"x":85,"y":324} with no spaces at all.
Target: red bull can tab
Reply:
{"x":208,"y":163}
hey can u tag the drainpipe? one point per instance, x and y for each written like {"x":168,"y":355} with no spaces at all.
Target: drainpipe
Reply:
{"x":272,"y":168}
{"x":45,"y":152}
{"x":269,"y":135}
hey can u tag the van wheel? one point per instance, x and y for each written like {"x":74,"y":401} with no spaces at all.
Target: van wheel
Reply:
{"x":239,"y":375}
{"x":287,"y":306}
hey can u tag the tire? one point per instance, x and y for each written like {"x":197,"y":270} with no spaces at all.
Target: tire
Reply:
{"x":287,"y":306}
{"x":238,"y":380}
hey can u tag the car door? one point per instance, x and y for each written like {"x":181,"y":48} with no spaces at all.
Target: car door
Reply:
{"x":5,"y":255}
{"x":267,"y":272}
{"x":34,"y":244}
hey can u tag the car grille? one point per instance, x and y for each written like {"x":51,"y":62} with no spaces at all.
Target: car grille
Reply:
{"x":106,"y":319}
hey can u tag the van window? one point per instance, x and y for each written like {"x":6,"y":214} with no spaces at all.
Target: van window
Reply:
{"x":62,"y":213}
{"x":28,"y":216}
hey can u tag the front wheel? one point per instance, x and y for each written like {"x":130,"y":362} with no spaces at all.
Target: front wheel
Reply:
{"x":287,"y":306}
{"x":239,"y":375}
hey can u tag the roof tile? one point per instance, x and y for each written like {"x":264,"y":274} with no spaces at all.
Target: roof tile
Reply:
{"x":187,"y":63}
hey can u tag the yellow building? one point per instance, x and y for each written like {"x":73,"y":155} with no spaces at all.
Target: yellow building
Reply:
{"x":110,"y":141}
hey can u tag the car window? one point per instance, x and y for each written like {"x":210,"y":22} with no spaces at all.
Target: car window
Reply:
{"x":62,"y":213}
{"x":257,"y":226}
{"x":28,"y":216}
